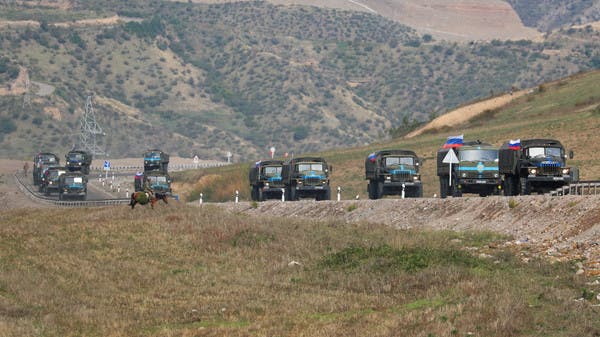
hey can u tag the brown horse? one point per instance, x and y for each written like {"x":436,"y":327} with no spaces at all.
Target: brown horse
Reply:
{"x":144,"y":198}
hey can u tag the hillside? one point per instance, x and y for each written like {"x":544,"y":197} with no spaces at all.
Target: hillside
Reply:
{"x":567,"y":109}
{"x":472,"y":20}
{"x":547,"y":15}
{"x":208,"y":79}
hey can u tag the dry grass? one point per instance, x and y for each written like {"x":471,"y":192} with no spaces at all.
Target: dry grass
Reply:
{"x":180,"y":271}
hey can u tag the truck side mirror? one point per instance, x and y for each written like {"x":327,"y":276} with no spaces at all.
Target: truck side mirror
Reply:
{"x":571,"y":154}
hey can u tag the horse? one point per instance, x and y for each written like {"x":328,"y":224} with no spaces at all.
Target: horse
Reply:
{"x":144,"y":198}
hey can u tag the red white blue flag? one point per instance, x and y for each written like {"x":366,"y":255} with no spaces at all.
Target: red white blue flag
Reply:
{"x":372,"y":157}
{"x":514,"y":144}
{"x":453,"y":142}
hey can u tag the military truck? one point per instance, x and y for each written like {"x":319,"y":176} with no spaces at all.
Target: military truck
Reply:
{"x":535,"y":165}
{"x":77,"y":160}
{"x":390,"y":172}
{"x":156,"y":160}
{"x":306,"y":177}
{"x":265,"y":180}
{"x":476,"y":170}
{"x":159,"y":181}
{"x":50,"y":177}
{"x":72,"y":185}
{"x":41,"y":161}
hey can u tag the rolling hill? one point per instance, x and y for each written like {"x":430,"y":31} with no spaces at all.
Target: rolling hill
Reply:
{"x":198,"y":79}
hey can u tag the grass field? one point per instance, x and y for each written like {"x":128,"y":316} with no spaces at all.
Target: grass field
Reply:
{"x":567,"y":110}
{"x":185,"y":271}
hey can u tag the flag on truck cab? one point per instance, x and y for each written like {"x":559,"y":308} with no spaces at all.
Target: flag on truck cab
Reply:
{"x":514,"y":144}
{"x":372,"y":157}
{"x":454,"y":141}
{"x":257,"y":164}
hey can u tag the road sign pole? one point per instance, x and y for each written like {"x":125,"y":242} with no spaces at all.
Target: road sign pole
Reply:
{"x":450,"y":175}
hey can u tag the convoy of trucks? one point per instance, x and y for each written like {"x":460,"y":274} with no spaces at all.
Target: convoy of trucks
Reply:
{"x":517,"y":167}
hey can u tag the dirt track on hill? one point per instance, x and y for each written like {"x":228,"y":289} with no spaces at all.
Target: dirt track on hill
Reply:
{"x":558,"y":228}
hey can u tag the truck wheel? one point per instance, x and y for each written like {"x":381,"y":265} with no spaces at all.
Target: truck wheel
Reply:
{"x":525,"y":186}
{"x":372,"y":190}
{"x":443,"y":187}
{"x":419,"y":192}
{"x":379,"y":189}
{"x":260,"y":196}
{"x":292,"y":194}
{"x":60,"y":196}
{"x":456,"y":192}
{"x":326,"y":194}
{"x":46,"y":192}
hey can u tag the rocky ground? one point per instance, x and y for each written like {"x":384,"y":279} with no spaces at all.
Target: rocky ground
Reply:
{"x":557,"y":228}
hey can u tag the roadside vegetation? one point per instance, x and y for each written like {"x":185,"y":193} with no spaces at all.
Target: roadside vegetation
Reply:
{"x":188,"y":271}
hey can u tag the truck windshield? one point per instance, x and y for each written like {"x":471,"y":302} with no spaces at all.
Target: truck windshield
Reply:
{"x":75,"y":156}
{"x":533,"y":152}
{"x":308,"y":167}
{"x":55,"y":174}
{"x":46,"y":158}
{"x":153,"y":155}
{"x":397,"y":161}
{"x":478,"y":155}
{"x":272,"y":171}
{"x":157,"y":179}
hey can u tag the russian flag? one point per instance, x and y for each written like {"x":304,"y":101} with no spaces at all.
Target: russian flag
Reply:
{"x":454,"y":141}
{"x":257,"y":164}
{"x":514,"y":144}
{"x":372,"y":157}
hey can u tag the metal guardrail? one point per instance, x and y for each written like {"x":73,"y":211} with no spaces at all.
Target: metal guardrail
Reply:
{"x":64,"y":203}
{"x":588,"y":187}
{"x":178,"y":167}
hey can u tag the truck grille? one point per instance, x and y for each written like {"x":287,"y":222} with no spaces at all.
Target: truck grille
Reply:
{"x":549,"y":170}
{"x":312,"y":181}
{"x":401,"y":176}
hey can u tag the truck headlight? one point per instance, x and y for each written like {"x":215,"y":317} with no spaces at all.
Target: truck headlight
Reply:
{"x":566,"y":171}
{"x":532,"y":171}
{"x":464,"y":174}
{"x":388,"y":178}
{"x":415,"y":178}
{"x":266,"y":184}
{"x":496,"y":175}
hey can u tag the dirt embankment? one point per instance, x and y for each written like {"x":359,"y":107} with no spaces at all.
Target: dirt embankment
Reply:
{"x":559,"y":228}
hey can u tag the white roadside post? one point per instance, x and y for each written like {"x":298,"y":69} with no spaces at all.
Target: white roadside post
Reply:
{"x":200,"y":200}
{"x":237,"y":196}
{"x":403,"y":194}
{"x":339,"y":193}
{"x":450,"y":159}
{"x":283,"y":194}
{"x":127,"y":193}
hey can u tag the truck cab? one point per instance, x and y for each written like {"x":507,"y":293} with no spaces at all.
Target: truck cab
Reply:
{"x":72,"y":185}
{"x":476,"y":171}
{"x":265,"y":180}
{"x":535,"y":165}
{"x":77,"y":160}
{"x":156,"y":159}
{"x":306,"y":177}
{"x":40,"y":162}
{"x":393,"y":172}
{"x":159,"y":182}
{"x":50,"y":179}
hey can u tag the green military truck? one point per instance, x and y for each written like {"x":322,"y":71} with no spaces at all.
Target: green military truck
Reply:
{"x":159,"y":182}
{"x":77,"y":160}
{"x":393,"y":172}
{"x":475,"y":170}
{"x":72,"y":185}
{"x":50,"y":179}
{"x":535,"y":165}
{"x":42,"y":161}
{"x":306,"y":177}
{"x":156,"y":160}
{"x":265,"y":180}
